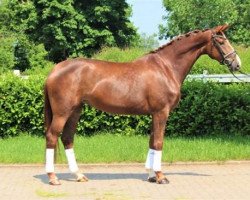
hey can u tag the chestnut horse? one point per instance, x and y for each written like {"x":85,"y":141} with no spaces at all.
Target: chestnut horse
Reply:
{"x":149,"y":85}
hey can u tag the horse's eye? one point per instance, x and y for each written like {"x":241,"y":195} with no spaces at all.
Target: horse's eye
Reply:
{"x":221,"y":42}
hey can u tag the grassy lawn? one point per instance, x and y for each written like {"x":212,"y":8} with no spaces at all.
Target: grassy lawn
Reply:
{"x":107,"y":148}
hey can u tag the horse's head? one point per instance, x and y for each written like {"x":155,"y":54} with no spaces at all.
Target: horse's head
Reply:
{"x":221,"y":49}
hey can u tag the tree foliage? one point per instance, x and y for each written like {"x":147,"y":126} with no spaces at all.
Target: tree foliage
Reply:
{"x":183,"y":16}
{"x":17,"y":52}
{"x":71,"y":27}
{"x":148,"y":42}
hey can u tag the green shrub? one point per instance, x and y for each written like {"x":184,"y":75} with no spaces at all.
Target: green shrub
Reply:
{"x":211,"y":108}
{"x":38,"y":57}
{"x":205,"y":109}
{"x":21,"y":103}
{"x":30,"y":56}
{"x":43,"y":70}
{"x":7,"y":59}
{"x":119,"y":55}
{"x":17,"y":52}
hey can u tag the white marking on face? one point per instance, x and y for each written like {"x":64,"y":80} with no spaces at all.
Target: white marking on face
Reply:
{"x":238,"y":60}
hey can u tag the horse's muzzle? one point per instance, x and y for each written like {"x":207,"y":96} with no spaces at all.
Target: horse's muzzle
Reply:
{"x":235,"y":64}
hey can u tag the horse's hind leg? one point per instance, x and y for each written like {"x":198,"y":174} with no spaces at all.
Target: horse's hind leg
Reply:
{"x":68,"y":140}
{"x":52,"y":135}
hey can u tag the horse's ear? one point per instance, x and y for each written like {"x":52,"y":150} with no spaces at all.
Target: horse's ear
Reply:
{"x":221,"y":28}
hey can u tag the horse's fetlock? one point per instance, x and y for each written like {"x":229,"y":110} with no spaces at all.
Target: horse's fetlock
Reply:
{"x":158,"y":145}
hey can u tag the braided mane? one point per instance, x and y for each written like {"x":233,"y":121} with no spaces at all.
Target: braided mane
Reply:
{"x":177,"y":38}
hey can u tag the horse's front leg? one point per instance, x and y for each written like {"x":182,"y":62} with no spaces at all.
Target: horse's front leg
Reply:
{"x":153,"y":162}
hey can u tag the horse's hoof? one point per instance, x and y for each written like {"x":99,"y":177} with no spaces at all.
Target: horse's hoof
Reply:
{"x":54,"y":182}
{"x":82,"y":179}
{"x":152,"y":179}
{"x":163,"y":181}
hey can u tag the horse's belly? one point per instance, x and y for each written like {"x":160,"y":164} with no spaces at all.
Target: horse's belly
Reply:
{"x":123,"y":95}
{"x":116,"y":105}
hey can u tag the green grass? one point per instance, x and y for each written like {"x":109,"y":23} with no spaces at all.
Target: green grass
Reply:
{"x":107,"y":148}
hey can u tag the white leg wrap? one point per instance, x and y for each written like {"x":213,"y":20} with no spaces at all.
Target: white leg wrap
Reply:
{"x":151,"y":173}
{"x":157,"y":161}
{"x":149,"y":161}
{"x":71,"y":160}
{"x":153,"y":160}
{"x":49,"y":166}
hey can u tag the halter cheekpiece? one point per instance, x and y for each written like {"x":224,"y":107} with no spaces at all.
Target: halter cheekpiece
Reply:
{"x":224,"y":56}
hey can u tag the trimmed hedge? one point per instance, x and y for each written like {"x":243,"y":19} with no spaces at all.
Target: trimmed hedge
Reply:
{"x":205,"y":108}
{"x":212,"y":108}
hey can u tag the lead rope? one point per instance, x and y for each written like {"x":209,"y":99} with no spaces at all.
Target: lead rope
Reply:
{"x":238,"y":77}
{"x":248,"y":75}
{"x":235,"y":76}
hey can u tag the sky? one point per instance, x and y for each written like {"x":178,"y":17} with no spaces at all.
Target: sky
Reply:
{"x":147,"y":15}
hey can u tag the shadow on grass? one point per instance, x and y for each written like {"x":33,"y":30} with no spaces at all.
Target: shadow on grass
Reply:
{"x":113,"y":176}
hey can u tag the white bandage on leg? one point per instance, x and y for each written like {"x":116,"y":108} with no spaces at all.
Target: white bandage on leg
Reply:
{"x":151,"y":173}
{"x":149,"y":161}
{"x":153,"y":160}
{"x":157,"y":161}
{"x":71,"y":160}
{"x":49,"y":166}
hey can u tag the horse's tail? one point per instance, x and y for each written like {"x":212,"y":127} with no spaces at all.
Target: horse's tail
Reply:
{"x":47,"y":110}
{"x":48,"y":116}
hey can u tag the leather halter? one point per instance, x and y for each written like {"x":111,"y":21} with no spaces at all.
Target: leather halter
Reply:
{"x":224,"y":56}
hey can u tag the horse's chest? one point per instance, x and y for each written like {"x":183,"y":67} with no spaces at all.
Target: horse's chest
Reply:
{"x":162,"y":95}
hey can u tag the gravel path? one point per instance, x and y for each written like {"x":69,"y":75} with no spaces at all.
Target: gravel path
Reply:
{"x":127,"y":181}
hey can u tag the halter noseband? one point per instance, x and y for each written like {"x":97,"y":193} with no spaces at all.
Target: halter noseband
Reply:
{"x":224,"y":56}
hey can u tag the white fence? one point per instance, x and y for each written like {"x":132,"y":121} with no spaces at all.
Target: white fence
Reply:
{"x":221,"y":78}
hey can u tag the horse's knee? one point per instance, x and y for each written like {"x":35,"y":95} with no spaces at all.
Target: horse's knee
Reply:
{"x":51,"y":140}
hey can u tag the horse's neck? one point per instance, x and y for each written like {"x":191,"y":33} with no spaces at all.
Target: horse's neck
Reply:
{"x":185,"y":53}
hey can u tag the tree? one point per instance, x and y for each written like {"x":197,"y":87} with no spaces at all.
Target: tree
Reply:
{"x":7,"y":59}
{"x":22,"y":53}
{"x":148,"y":42}
{"x":240,"y":30}
{"x":71,"y":28}
{"x":183,"y":16}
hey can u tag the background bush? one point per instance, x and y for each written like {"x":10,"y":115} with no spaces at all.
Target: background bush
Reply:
{"x":119,"y":55}
{"x":205,"y":109}
{"x":21,"y":105}
{"x":7,"y":58}
{"x":17,"y":52}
